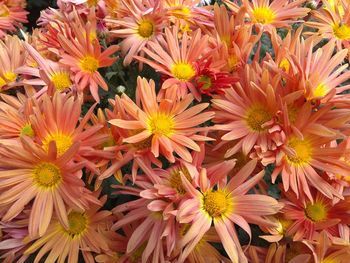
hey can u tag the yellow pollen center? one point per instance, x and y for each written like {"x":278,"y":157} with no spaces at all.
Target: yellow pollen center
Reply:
{"x":27,"y":130}
{"x":61,"y":81}
{"x":10,"y":76}
{"x":316,"y":212}
{"x":342,"y":32}
{"x":256,"y":116}
{"x":182,"y":12}
{"x":4,"y":11}
{"x":63,"y":142}
{"x":89,"y":64}
{"x":78,"y":223}
{"x":47,"y":175}
{"x":92,"y":3}
{"x":232,"y":62}
{"x":2,"y":82}
{"x":207,"y":82}
{"x":303,"y":151}
{"x":161,"y":124}
{"x":176,"y":182}
{"x":320,"y":91}
{"x":284,"y":65}
{"x":263,"y":15}
{"x":183,"y":71}
{"x":283,"y":225}
{"x":146,"y":29}
{"x":330,"y":260}
{"x":216,"y":203}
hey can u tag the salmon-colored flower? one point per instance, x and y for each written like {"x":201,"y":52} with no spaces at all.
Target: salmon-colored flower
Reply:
{"x":168,"y":124}
{"x":333,"y":22}
{"x":11,"y":17}
{"x":176,"y":58}
{"x":247,"y":112}
{"x":84,"y":57}
{"x":53,"y":182}
{"x":275,"y":14}
{"x":57,"y":119}
{"x":15,"y":116}
{"x":142,"y":24}
{"x":224,"y":205}
{"x":81,"y":234}
{"x":309,"y":217}
{"x":11,"y":57}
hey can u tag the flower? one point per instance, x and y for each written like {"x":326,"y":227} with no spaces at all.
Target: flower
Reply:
{"x":11,"y":16}
{"x":11,"y":57}
{"x":224,"y":205}
{"x":176,"y":59}
{"x":277,"y":14}
{"x":142,"y":24}
{"x":247,"y":112}
{"x":51,"y":181}
{"x":84,"y":57}
{"x":168,"y":124}
{"x":82,"y":233}
{"x":332,"y":22}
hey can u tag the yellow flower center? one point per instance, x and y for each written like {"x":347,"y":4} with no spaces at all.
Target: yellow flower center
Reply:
{"x":284,"y":65}
{"x":217,"y":203}
{"x":256,"y":116}
{"x":283,"y":225}
{"x":292,"y":113}
{"x":303,"y":151}
{"x":27,"y":130}
{"x":10,"y":76}
{"x":183,"y":71}
{"x":61,"y":80}
{"x":232,"y":62}
{"x":92,"y":3}
{"x":342,"y":32}
{"x":4,"y":11}
{"x":2,"y":82}
{"x":89,"y":64}
{"x":182,"y":12}
{"x":316,"y":212}
{"x":146,"y":28}
{"x":330,"y":260}
{"x":263,"y":15}
{"x":47,"y":175}
{"x":161,"y":124}
{"x":207,"y":82}
{"x":78,"y":224}
{"x":320,"y":91}
{"x":176,"y":182}
{"x":63,"y":142}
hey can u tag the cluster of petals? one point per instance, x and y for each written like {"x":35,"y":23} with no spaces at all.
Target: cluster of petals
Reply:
{"x":175,"y":131}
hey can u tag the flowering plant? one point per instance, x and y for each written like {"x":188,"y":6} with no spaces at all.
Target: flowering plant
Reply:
{"x":175,"y":131}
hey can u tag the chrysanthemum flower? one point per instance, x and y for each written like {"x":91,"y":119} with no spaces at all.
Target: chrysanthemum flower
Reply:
{"x":333,"y":22}
{"x":247,"y":112}
{"x":11,"y":57}
{"x":81,"y":234}
{"x":169,"y":125}
{"x":29,"y":173}
{"x":277,"y":14}
{"x":142,"y":24}
{"x":324,"y":251}
{"x":229,"y":204}
{"x":84,"y":57}
{"x":15,"y":116}
{"x":57,"y":119}
{"x":322,"y":72}
{"x":11,"y":16}
{"x":55,"y":76}
{"x":309,"y":217}
{"x":176,"y":59}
